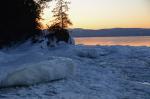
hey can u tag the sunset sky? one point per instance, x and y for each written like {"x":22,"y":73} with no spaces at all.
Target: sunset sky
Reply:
{"x":99,"y":14}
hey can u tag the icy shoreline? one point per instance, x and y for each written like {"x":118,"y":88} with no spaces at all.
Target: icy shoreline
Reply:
{"x":102,"y":72}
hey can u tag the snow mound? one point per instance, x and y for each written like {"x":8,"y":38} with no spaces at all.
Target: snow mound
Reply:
{"x":90,"y":52}
{"x":87,"y":52}
{"x":45,"y":71}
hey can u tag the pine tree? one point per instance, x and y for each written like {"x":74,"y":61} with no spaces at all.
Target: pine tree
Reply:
{"x":60,"y":14}
{"x":61,"y":22}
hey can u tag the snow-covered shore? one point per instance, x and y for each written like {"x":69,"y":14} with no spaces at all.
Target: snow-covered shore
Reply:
{"x":101,"y":72}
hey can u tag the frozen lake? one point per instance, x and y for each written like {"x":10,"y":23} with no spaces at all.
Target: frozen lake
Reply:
{"x":101,"y":72}
{"x":129,"y":40}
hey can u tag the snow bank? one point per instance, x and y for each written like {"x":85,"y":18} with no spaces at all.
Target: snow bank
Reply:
{"x":45,"y":71}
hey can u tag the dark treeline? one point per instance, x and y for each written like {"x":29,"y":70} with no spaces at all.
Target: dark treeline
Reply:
{"x":18,"y":20}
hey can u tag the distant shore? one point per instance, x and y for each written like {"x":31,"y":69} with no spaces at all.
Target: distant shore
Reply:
{"x":115,"y":32}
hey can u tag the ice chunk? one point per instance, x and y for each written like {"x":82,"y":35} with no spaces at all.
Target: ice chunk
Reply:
{"x":45,"y":71}
{"x":87,"y":52}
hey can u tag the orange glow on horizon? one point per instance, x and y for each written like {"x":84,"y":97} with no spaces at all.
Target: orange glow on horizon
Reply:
{"x":100,"y":14}
{"x":124,"y":41}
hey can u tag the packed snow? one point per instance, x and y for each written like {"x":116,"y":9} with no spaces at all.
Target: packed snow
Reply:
{"x":89,"y":72}
{"x":29,"y":74}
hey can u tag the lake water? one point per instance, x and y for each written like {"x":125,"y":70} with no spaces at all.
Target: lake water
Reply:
{"x":131,"y":40}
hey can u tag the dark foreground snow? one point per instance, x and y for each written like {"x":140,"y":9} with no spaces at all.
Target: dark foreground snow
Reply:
{"x":101,"y":72}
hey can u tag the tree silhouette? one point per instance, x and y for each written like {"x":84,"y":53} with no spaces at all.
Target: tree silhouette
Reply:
{"x":19,"y":20}
{"x":60,"y":14}
{"x":58,"y":29}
